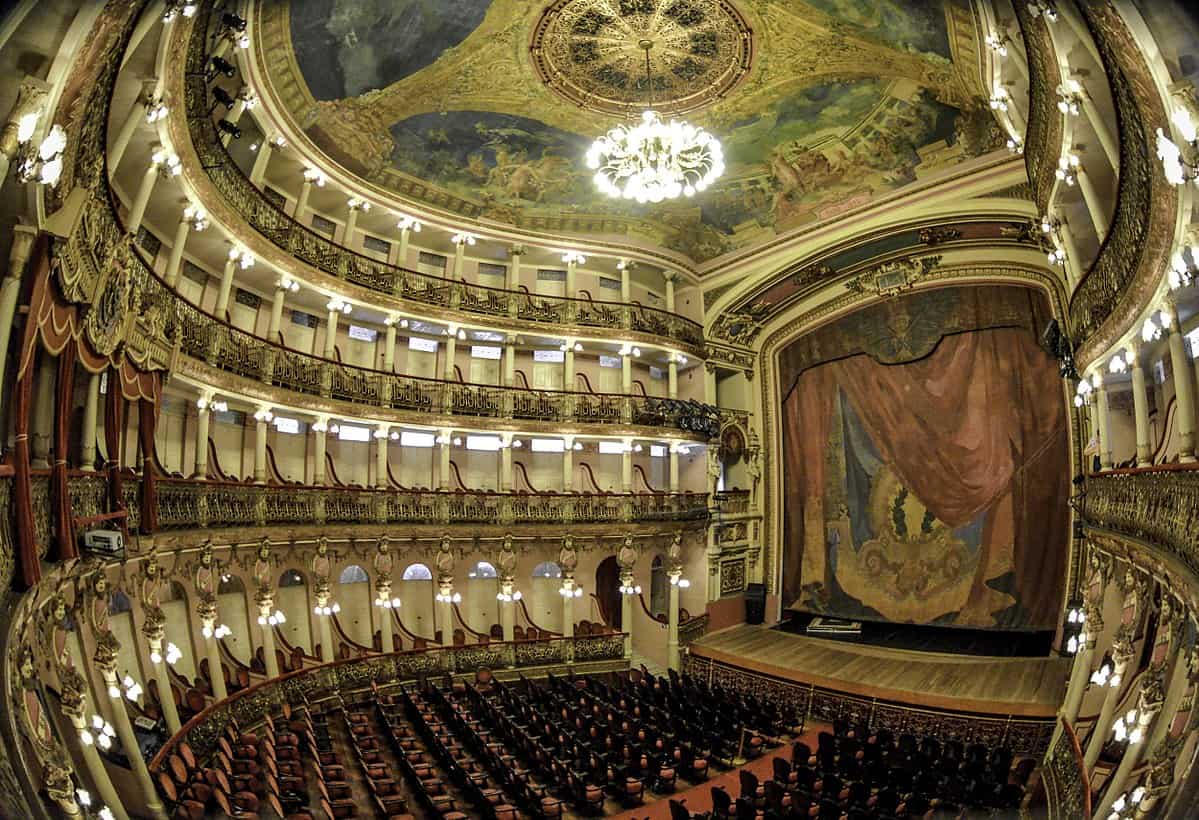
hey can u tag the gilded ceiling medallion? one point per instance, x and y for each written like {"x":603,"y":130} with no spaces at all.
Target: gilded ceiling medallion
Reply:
{"x":593,"y":53}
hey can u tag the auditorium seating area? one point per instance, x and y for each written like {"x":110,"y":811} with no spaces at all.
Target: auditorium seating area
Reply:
{"x":855,"y":773}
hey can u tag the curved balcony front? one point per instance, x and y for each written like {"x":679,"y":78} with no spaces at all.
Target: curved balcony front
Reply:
{"x":212,"y":348}
{"x":188,"y":504}
{"x":244,"y":209}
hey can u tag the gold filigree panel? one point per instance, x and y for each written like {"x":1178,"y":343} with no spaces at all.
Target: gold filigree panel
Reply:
{"x":598,"y":53}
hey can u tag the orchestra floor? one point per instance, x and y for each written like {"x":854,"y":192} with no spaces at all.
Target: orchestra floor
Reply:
{"x":1028,"y":687}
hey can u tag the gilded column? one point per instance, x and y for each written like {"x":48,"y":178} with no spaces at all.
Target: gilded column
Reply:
{"x":18,"y":259}
{"x":1122,"y":656}
{"x":626,"y":558}
{"x":1140,"y":405}
{"x":320,"y":429}
{"x":154,"y":628}
{"x":263,"y":159}
{"x":87,"y":435}
{"x":354,"y":207}
{"x":73,"y":701}
{"x":1184,"y":386}
{"x":1103,"y":416}
{"x":382,"y":436}
{"x":1149,"y":703}
{"x":107,"y":650}
{"x":674,"y":574}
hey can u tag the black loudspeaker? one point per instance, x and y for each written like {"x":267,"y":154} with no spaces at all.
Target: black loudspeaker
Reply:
{"x":755,"y":603}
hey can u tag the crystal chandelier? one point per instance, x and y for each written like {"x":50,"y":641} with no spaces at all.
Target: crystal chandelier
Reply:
{"x":655,"y":160}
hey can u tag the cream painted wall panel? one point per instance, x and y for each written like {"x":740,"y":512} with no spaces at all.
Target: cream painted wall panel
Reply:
{"x":228,"y":440}
{"x":294,"y":603}
{"x":128,"y":661}
{"x":355,"y":615}
{"x":422,"y":364}
{"x":414,"y":465}
{"x":291,"y":454}
{"x":479,"y":606}
{"x":352,"y":459}
{"x":232,"y":613}
{"x":479,"y":470}
{"x":544,"y":469}
{"x":190,"y":290}
{"x":484,"y":371}
{"x":416,"y":612}
{"x":544,"y":603}
{"x":178,"y":632}
{"x":242,"y":316}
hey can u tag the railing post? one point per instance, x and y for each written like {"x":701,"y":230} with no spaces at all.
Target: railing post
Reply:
{"x":202,"y":507}
{"x":260,"y":505}
{"x":318,"y":507}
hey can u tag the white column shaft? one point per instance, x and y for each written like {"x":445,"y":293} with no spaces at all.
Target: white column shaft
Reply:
{"x":141,"y":199}
{"x":202,"y":444}
{"x":176,"y":257}
{"x":222,"y":297}
{"x":260,"y":432}
{"x":1140,"y":406}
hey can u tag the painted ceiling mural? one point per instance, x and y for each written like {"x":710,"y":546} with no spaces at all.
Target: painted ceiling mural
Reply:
{"x":475,"y":106}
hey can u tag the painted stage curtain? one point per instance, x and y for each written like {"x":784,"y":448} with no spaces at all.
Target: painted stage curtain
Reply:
{"x":932,"y":491}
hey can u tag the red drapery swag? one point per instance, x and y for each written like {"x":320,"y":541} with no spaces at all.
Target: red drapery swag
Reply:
{"x":64,"y":387}
{"x":977,"y":425}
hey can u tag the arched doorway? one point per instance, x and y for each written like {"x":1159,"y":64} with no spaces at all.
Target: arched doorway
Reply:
{"x":417,"y":593}
{"x":607,"y":591}
{"x":353,"y":593}
{"x":292,"y":600}
{"x":234,"y":613}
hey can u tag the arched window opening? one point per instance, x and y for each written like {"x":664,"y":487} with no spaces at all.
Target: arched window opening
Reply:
{"x":353,"y":574}
{"x":417,"y":572}
{"x":547,"y":569}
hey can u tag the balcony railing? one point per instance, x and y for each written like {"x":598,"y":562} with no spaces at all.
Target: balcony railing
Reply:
{"x":1067,"y":788}
{"x":170,"y":321}
{"x":191,"y":504}
{"x":271,"y":222}
{"x":1159,"y":505}
{"x":353,"y":677}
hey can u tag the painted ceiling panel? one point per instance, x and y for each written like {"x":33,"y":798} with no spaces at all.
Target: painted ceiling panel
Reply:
{"x":482,"y":106}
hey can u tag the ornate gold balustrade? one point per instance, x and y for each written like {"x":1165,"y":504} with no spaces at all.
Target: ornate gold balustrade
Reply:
{"x":1043,"y":137}
{"x":1067,"y":789}
{"x":1133,"y":256}
{"x":805,"y":701}
{"x":731,"y":502}
{"x":1157,"y":505}
{"x":352,"y":678}
{"x":191,"y":504}
{"x":305,"y":245}
{"x":169,"y":322}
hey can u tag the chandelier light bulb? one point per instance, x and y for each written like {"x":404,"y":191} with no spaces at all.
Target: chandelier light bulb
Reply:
{"x":409,"y":223}
{"x":315,"y":177}
{"x":1185,"y":123}
{"x":655,"y":160}
{"x":83,"y":797}
{"x":85,"y":737}
{"x":106,"y":813}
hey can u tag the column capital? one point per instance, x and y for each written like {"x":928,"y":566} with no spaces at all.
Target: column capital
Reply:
{"x":207,"y":610}
{"x":517,"y":250}
{"x":73,"y":696}
{"x":108,"y":649}
{"x":22,"y":247}
{"x":154,"y":625}
{"x":670,"y":276}
{"x":264,"y":597}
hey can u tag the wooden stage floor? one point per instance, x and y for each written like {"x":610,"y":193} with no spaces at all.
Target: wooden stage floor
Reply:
{"x":1027,"y":687}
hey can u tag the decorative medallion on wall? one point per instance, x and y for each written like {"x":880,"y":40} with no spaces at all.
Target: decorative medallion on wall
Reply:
{"x":732,"y":576}
{"x":593,"y":53}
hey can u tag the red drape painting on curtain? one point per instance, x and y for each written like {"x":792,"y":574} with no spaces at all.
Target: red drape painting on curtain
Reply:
{"x":930,"y":491}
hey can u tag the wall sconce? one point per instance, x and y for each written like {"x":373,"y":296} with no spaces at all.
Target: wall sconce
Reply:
{"x":44,"y":165}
